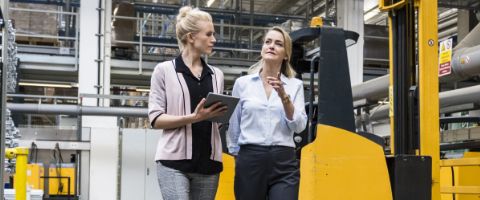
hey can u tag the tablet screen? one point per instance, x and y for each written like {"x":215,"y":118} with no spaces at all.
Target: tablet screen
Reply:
{"x":229,"y":101}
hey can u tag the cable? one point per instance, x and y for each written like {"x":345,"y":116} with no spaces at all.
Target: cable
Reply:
{"x":453,"y":181}
{"x":32,"y":157}
{"x":58,"y":167}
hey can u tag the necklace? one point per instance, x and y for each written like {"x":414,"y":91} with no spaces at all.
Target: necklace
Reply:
{"x":196,"y":74}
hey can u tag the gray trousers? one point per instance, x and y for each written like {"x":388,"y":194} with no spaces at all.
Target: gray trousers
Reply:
{"x":177,"y":185}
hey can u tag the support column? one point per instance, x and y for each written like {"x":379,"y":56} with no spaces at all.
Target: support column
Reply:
{"x":88,"y":72}
{"x":94,"y":78}
{"x":107,"y":49}
{"x":428,"y":94}
{"x":350,"y":17}
{"x":3,"y":98}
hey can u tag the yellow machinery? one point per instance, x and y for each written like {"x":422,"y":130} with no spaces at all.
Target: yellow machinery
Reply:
{"x":341,"y":164}
{"x":225,"y":188}
{"x":20,"y":183}
{"x":61,"y":179}
{"x":34,"y":172}
{"x":461,"y":176}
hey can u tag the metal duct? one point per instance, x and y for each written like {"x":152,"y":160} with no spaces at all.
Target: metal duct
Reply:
{"x":449,"y":98}
{"x":465,"y":64}
{"x":76,"y":110}
{"x":471,"y":39}
{"x":448,"y":23}
{"x":372,"y":89}
{"x":445,"y":34}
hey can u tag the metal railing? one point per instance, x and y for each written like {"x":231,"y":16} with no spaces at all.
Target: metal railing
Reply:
{"x":57,"y":37}
{"x":461,"y":189}
{"x":162,"y":32}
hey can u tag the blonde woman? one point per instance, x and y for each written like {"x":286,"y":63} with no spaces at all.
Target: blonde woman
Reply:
{"x":189,"y":149}
{"x":260,"y":134}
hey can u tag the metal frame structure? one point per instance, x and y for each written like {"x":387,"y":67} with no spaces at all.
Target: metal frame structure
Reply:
{"x":428,"y":94}
{"x":74,"y":39}
{"x":4,"y":7}
{"x":413,"y":95}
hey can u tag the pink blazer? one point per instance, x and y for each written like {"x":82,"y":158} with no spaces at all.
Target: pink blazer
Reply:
{"x":169,"y":94}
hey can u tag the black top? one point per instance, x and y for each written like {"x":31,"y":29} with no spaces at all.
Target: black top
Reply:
{"x":201,"y":131}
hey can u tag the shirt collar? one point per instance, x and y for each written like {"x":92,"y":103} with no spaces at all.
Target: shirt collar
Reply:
{"x":181,"y":67}
{"x":283,"y":78}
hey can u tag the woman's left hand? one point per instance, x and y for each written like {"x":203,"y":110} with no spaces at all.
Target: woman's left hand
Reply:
{"x":277,"y":84}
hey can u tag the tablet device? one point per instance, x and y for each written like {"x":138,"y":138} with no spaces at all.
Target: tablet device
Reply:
{"x":229,"y":101}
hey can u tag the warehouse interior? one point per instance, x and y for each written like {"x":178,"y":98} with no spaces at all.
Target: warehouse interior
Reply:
{"x":76,"y":79}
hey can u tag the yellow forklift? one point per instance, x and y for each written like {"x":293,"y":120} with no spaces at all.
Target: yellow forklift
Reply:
{"x":338,"y":163}
{"x":341,"y":164}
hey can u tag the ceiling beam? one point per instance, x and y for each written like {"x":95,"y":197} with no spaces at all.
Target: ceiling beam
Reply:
{"x":282,"y":5}
{"x":303,"y":8}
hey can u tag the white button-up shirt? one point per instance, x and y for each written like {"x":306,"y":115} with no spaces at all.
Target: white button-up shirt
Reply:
{"x":262,"y":121}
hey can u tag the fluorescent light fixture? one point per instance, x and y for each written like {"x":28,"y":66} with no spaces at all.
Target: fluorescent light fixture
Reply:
{"x":142,"y":90}
{"x":45,"y":85}
{"x":367,"y":16}
{"x":210,"y":2}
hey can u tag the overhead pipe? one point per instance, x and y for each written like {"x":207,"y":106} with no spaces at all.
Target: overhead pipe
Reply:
{"x":465,"y":61}
{"x":465,"y":64}
{"x":448,"y":13}
{"x":76,"y":110}
{"x":470,"y":40}
{"x":373,"y":89}
{"x":449,"y":98}
{"x":450,"y":22}
{"x":447,"y":33}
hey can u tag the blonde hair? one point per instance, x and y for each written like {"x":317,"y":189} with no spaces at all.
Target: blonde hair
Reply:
{"x":187,"y":19}
{"x":286,"y":68}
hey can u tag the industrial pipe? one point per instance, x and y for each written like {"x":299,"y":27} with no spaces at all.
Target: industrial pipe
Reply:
{"x":465,"y":64}
{"x":449,"y":98}
{"x":373,"y":89}
{"x":470,"y":40}
{"x":77,"y":110}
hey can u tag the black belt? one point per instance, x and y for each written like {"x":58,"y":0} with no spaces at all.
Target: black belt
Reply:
{"x":254,"y":147}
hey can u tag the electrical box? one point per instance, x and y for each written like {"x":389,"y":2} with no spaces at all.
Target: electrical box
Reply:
{"x":34,"y":172}
{"x":59,"y":176}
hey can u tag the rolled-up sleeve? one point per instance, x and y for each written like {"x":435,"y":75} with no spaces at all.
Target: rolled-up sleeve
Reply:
{"x":157,"y":98}
{"x":234,"y":125}
{"x":299,"y":120}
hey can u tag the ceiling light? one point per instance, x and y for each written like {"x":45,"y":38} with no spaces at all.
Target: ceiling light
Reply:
{"x":210,"y":2}
{"x":45,"y":85}
{"x":142,"y":90}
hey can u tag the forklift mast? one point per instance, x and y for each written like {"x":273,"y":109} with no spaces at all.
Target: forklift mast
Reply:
{"x":340,"y":159}
{"x":413,"y":91}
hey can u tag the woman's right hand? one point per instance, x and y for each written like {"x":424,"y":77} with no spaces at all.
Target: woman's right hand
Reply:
{"x":214,"y":110}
